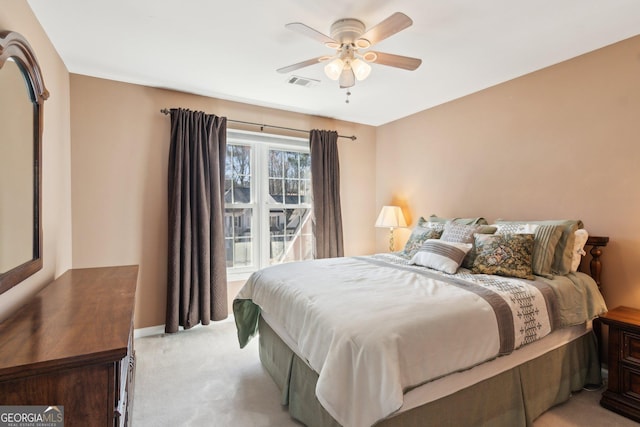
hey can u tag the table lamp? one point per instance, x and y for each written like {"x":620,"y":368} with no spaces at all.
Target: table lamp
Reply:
{"x":391,"y":217}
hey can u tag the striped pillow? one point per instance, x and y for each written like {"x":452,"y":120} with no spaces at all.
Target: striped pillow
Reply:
{"x":440,"y":255}
{"x":545,"y":242}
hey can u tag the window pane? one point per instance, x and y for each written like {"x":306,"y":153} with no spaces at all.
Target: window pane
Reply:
{"x":228,"y":167}
{"x":241,"y":192}
{"x":290,"y":235}
{"x":291,"y":167}
{"x":291,"y":191}
{"x":305,"y":165}
{"x":241,"y":160}
{"x":276,"y":234}
{"x":237,"y":183}
{"x":238,"y":237}
{"x":275,"y":190}
{"x":228,"y":194}
{"x":305,"y":191}
{"x":276,"y":163}
{"x":242,"y":252}
{"x":238,"y":161}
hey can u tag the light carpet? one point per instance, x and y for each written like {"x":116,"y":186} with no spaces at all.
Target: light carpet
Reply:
{"x":201,"y":378}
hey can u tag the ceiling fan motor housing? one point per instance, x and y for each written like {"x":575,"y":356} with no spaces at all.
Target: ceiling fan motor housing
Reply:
{"x":347,"y":30}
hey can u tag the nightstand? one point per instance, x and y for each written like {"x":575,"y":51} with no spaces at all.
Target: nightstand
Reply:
{"x":623,"y":392}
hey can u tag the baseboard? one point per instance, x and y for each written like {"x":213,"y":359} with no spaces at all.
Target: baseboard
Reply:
{"x":149,"y":331}
{"x":159,"y":329}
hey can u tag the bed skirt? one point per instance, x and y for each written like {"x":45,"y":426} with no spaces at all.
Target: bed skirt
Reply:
{"x":513,"y":398}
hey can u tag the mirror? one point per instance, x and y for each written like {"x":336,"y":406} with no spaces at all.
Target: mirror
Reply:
{"x":22,"y":94}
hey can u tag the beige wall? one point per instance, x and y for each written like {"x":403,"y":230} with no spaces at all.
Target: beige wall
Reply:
{"x":120,"y":144}
{"x":563,"y":142}
{"x":56,"y":188}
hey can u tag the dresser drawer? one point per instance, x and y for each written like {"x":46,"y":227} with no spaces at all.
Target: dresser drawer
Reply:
{"x":631,"y":383}
{"x":631,"y":347}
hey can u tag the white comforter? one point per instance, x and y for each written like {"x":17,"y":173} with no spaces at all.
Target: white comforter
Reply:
{"x":372,"y":331}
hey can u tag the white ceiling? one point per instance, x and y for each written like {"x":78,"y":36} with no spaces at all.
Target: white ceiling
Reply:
{"x":231,"y":49}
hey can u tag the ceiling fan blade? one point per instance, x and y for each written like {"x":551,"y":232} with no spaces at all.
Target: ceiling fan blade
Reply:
{"x":393,"y":24}
{"x":302,"y":64}
{"x":310,"y":32}
{"x":391,"y":60}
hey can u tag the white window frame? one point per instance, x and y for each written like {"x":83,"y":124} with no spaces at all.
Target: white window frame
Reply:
{"x":260,"y":144}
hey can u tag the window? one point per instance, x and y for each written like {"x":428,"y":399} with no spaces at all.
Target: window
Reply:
{"x":267,"y":201}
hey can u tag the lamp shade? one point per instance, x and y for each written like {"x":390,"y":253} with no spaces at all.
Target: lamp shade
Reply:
{"x":347,"y":78}
{"x":360,"y":68}
{"x":334,"y":68}
{"x":391,"y":217}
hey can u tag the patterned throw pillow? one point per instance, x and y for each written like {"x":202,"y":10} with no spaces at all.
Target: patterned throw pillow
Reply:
{"x":441,"y":256}
{"x":504,"y":255}
{"x":545,"y":241}
{"x":460,"y":233}
{"x":419,"y":235}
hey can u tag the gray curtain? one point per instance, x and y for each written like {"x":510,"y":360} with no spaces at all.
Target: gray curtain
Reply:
{"x":325,"y":185}
{"x":197,"y":273}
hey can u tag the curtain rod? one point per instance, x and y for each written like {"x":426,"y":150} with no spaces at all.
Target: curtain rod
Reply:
{"x":262,"y":126}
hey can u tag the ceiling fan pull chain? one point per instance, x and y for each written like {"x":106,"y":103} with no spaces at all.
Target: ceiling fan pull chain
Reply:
{"x":348,"y":93}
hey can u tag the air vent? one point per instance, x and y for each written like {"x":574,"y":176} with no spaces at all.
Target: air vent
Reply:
{"x":302,"y":81}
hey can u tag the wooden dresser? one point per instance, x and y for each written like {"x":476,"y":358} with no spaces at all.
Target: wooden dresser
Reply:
{"x":623,"y":391}
{"x":72,"y":346}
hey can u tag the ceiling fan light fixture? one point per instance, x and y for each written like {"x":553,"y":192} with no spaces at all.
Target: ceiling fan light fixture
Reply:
{"x":347,"y":78}
{"x":363,"y":44}
{"x":370,"y":56}
{"x":361,"y":69}
{"x":334,"y":69}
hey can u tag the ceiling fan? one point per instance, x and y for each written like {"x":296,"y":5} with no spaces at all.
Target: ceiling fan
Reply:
{"x":350,"y":39}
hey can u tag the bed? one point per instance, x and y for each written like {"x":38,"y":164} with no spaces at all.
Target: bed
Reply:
{"x":471,"y":324}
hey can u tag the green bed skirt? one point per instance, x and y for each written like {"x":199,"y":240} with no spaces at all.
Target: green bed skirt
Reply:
{"x":513,"y":398}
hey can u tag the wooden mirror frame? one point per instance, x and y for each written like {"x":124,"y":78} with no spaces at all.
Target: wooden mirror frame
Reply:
{"x":14,"y":45}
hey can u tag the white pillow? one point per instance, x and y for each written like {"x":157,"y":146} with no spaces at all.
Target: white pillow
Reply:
{"x":441,"y":255}
{"x":578,"y":248}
